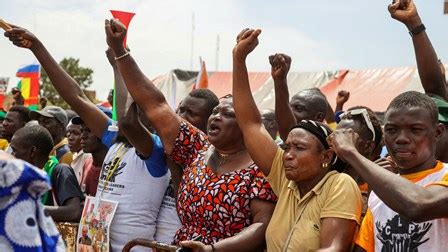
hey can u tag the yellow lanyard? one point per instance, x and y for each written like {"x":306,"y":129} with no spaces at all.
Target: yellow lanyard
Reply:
{"x":118,"y":155}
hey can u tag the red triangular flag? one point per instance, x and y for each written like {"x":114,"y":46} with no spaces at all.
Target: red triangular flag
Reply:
{"x":202,"y":79}
{"x":125,"y":18}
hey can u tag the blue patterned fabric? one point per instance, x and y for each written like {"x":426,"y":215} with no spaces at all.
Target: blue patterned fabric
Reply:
{"x":23,"y":224}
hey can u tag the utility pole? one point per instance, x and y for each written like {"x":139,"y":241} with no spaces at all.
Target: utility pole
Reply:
{"x":217,"y":54}
{"x":192,"y":42}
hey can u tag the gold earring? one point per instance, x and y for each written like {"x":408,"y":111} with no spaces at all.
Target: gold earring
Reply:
{"x":325,"y":165}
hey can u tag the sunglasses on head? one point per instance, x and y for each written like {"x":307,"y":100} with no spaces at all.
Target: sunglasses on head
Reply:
{"x":366,"y":117}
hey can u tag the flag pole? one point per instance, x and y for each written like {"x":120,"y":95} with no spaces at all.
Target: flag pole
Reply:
{"x":217,"y":54}
{"x":192,"y":41}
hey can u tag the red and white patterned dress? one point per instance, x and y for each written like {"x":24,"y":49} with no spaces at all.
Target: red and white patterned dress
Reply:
{"x":215,"y":207}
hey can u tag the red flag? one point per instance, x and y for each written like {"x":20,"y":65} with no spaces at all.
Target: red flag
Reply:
{"x":125,"y":18}
{"x":202,"y":79}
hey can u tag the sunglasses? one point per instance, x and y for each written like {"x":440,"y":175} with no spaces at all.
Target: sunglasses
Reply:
{"x":366,"y":117}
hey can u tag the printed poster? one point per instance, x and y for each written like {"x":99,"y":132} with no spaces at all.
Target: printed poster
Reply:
{"x":94,"y":227}
{"x":3,"y":85}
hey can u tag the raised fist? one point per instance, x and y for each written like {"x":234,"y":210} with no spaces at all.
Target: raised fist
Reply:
{"x":115,"y":34}
{"x":246,"y":42}
{"x":280,"y":65}
{"x":343,"y":141}
{"x":342,"y":97}
{"x":405,"y":11}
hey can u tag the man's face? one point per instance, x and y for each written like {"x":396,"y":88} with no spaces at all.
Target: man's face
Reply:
{"x":74,"y":137}
{"x":21,"y":150}
{"x":84,"y":231}
{"x":51,"y":124}
{"x":410,"y":137}
{"x":12,"y":123}
{"x":300,"y":108}
{"x":268,"y":119}
{"x":195,"y":111}
{"x":89,"y":142}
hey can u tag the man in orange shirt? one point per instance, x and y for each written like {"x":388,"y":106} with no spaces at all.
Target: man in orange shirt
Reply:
{"x":407,"y":212}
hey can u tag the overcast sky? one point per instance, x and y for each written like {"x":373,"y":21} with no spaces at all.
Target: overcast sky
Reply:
{"x":318,"y":35}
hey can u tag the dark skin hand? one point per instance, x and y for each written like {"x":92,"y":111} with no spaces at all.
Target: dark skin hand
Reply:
{"x":66,"y":86}
{"x":280,"y":65}
{"x":429,"y":70}
{"x":341,"y":99}
{"x":337,"y":233}
{"x":401,"y":195}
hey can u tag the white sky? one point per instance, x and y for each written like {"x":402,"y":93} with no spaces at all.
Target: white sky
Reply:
{"x":319,"y":35}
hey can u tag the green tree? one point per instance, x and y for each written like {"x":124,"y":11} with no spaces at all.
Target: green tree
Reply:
{"x":82,"y":75}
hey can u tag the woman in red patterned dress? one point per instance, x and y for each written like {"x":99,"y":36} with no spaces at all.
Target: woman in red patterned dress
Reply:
{"x":224,"y":201}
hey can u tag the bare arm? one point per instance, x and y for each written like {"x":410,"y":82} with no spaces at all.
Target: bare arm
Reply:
{"x":404,"y":197}
{"x":341,"y":99}
{"x":251,"y":238}
{"x":258,"y":142}
{"x":337,"y":234}
{"x":427,"y":62}
{"x":135,"y":132}
{"x":143,"y":91}
{"x":121,"y":92}
{"x":127,"y":114}
{"x":329,"y":118}
{"x":280,"y":64}
{"x":70,"y":211}
{"x":65,"y":85}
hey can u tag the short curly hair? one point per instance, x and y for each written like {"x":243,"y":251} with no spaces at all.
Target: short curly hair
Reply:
{"x":412,"y":99}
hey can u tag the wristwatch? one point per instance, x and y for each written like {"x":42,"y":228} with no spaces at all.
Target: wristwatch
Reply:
{"x":416,"y":30}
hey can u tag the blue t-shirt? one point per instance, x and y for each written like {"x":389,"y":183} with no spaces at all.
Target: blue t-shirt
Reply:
{"x":155,"y":163}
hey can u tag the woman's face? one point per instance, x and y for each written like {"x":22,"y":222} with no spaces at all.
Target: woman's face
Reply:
{"x":304,"y":156}
{"x":222,"y":128}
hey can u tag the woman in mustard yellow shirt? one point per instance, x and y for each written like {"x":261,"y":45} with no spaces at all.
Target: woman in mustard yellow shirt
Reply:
{"x":318,"y":208}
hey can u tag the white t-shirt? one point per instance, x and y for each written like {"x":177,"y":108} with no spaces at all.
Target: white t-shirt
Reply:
{"x":138,"y":185}
{"x":385,"y":230}
{"x":168,"y":221}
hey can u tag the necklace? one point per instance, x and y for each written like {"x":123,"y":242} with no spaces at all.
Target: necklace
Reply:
{"x":223,"y":157}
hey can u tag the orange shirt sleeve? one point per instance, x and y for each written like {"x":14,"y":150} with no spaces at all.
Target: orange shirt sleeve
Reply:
{"x":365,"y":238}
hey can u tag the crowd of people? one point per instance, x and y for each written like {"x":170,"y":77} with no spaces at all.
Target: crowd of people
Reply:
{"x":217,"y":174}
